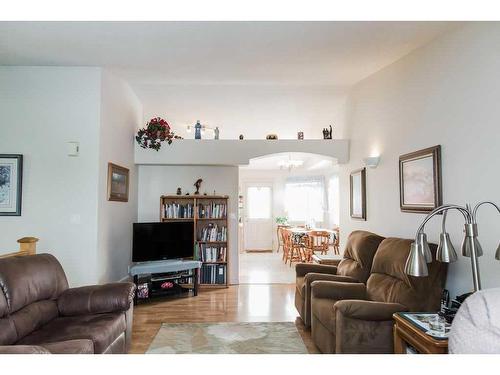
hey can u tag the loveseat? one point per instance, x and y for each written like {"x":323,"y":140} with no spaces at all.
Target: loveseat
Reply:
{"x":39,"y":313}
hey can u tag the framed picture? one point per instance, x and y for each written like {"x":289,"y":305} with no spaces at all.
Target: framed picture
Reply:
{"x":117,"y":183}
{"x":11,"y":181}
{"x":358,"y":194}
{"x":420,"y":180}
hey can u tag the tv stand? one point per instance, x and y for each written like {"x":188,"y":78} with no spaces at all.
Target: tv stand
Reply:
{"x":177,"y":275}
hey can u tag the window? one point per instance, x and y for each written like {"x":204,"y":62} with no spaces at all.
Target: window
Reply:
{"x":305,"y":199}
{"x":259,"y":202}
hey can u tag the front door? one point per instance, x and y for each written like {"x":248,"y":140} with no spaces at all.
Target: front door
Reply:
{"x":258,"y":217}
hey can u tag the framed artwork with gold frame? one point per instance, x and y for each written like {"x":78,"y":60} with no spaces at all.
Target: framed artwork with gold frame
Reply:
{"x":118,"y":183}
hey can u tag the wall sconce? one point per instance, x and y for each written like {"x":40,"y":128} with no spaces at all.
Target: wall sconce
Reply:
{"x":372,"y":161}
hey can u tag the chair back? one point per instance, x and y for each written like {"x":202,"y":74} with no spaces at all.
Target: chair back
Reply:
{"x":389,"y":283}
{"x":358,"y":255}
{"x":29,"y":287}
{"x":319,"y":240}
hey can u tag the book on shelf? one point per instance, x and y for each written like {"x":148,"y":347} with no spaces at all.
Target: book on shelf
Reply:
{"x":213,"y":233}
{"x":212,"y":211}
{"x":213,"y":274}
{"x":178,"y":211}
{"x":212,"y":253}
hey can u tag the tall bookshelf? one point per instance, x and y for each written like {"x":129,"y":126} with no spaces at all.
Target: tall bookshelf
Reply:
{"x":209,"y":215}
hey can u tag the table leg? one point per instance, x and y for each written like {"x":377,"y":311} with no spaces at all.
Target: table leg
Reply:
{"x":195,"y":281}
{"x":399,"y":343}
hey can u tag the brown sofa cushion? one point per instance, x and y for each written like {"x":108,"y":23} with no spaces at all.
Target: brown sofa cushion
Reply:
{"x":34,"y":316}
{"x":70,"y":347}
{"x":358,"y":255}
{"x":102,"y":329}
{"x":46,"y":280}
{"x":389,"y":283}
{"x":8,"y":334}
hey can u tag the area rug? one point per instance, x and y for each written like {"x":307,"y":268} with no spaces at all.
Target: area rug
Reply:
{"x":228,"y":338}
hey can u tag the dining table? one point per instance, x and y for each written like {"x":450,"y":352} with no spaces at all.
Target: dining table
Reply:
{"x":298,"y":233}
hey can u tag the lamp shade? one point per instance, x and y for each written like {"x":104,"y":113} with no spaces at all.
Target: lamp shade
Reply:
{"x":424,"y":247}
{"x":446,"y":252}
{"x":416,"y":264}
{"x":466,"y":246}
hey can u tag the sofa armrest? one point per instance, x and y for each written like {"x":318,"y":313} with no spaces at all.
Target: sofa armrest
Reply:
{"x":337,"y":290}
{"x":368,"y":310}
{"x":96,"y":299}
{"x":301,"y":269}
{"x":23,"y":349}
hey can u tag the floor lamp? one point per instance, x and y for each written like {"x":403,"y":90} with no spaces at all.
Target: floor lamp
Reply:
{"x":420,"y":253}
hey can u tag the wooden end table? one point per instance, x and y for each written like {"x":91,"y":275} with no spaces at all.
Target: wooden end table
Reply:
{"x":406,"y":334}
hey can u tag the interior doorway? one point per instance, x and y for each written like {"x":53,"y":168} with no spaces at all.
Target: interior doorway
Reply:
{"x":296,"y":189}
{"x":258,"y":221}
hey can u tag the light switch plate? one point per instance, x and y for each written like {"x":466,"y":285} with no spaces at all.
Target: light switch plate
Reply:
{"x":73,"y":148}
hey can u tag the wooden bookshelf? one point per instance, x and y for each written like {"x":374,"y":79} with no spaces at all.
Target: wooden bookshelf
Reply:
{"x":209,"y":215}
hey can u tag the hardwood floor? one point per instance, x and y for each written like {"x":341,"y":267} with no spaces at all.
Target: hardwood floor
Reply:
{"x":240,"y":303}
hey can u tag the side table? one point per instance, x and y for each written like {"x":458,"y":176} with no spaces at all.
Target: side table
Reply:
{"x":406,"y":334}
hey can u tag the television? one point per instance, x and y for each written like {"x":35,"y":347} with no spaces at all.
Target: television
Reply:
{"x":160,"y":241}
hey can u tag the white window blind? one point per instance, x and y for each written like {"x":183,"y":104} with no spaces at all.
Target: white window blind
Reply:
{"x":305,"y":199}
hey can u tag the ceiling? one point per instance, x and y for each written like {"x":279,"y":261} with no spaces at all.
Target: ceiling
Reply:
{"x":298,"y":53}
{"x":308,"y":162}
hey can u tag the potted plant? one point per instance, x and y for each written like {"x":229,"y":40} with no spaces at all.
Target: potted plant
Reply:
{"x":156,"y":131}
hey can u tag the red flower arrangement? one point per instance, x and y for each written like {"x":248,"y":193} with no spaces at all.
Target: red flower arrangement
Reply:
{"x":157,"y":130}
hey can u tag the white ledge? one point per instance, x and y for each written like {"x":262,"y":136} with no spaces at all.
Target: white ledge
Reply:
{"x":236,"y":152}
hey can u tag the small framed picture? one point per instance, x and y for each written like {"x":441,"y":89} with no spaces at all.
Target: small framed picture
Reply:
{"x":420,"y":180}
{"x":358,"y":194}
{"x":118,"y":181}
{"x":11,"y":181}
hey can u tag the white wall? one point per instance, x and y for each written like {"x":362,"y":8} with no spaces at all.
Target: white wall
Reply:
{"x":444,"y":93}
{"x":155,"y":181}
{"x":41,"y":108}
{"x":253,"y":111}
{"x":121,"y":115}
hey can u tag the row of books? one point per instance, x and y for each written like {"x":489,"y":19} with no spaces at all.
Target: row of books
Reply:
{"x":212,"y":254}
{"x":213,"y":232}
{"x":213,"y":274}
{"x":212,"y":211}
{"x":178,"y":211}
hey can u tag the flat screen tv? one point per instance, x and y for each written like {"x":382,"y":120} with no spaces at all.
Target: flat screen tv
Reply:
{"x":159,"y":241}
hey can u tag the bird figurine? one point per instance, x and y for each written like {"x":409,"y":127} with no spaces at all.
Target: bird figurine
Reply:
{"x":197,"y":185}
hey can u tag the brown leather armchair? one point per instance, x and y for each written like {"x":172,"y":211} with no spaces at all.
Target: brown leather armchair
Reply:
{"x":355,"y":266}
{"x":40,"y":314}
{"x":357,"y":318}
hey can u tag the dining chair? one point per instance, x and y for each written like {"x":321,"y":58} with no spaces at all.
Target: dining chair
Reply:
{"x":279,"y":231}
{"x":318,"y":241}
{"x":336,"y":241}
{"x":284,"y":233}
{"x":294,"y":250}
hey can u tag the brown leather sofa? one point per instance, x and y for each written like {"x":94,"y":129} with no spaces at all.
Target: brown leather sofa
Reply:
{"x":357,"y":318}
{"x":40,"y":314}
{"x":355,"y":266}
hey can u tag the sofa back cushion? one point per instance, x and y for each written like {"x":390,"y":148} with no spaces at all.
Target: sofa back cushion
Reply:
{"x":28,"y":279}
{"x":389,"y":283}
{"x":358,"y":255}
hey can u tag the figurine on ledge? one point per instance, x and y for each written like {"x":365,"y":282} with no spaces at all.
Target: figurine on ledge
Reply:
{"x":197,"y":185}
{"x":327,"y":134}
